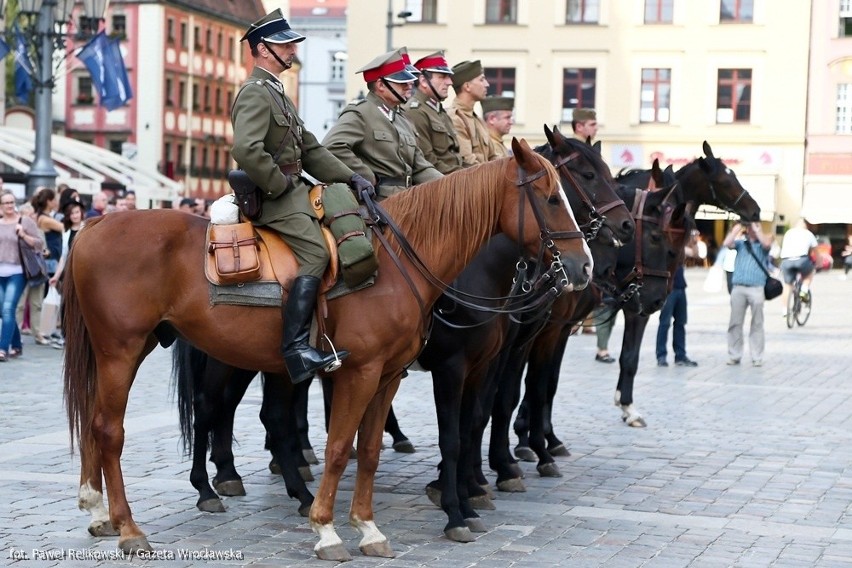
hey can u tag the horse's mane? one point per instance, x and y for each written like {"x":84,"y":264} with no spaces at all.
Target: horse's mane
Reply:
{"x":435,"y":215}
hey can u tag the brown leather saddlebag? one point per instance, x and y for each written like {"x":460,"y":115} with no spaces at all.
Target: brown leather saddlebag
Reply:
{"x":235,"y":252}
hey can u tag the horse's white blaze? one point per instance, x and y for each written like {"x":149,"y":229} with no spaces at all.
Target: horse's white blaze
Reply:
{"x":327,"y":536}
{"x":371,"y":533}
{"x":91,"y":500}
{"x":588,"y":252}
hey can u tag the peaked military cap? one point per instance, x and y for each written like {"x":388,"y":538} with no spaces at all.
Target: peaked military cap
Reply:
{"x":490,"y":104}
{"x":408,"y":66}
{"x":465,"y":71}
{"x":389,"y":66}
{"x":583,"y":114}
{"x":272,"y":28}
{"x":434,"y":62}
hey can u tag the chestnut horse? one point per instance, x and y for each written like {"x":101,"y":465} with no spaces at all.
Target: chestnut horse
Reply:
{"x":155,"y":257}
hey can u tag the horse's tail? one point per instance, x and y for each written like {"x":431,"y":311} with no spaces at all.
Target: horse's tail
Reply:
{"x":81,"y":372}
{"x":187,"y":363}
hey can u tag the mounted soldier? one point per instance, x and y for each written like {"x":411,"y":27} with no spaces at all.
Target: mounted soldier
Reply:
{"x":497,"y":112}
{"x":471,"y":87}
{"x":584,"y":123}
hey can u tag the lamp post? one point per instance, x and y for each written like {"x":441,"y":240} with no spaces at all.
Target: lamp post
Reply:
{"x":43,"y":23}
{"x":391,"y":24}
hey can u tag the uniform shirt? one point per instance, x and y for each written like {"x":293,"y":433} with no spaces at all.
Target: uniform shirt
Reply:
{"x":474,"y":141}
{"x":798,"y":242}
{"x":500,"y":149}
{"x":367,"y":140}
{"x":436,"y":136}
{"x":260,"y":125}
{"x":747,"y":271}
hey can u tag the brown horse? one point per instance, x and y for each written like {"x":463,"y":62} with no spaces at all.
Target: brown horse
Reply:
{"x":155,"y":257}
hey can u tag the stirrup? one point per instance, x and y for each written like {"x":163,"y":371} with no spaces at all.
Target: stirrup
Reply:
{"x":337,"y":363}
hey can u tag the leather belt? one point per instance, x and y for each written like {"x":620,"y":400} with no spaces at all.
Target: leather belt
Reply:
{"x":403,"y":182}
{"x":291,"y":169}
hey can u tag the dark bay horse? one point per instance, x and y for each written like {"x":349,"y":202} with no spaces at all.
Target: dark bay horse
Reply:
{"x":155,"y":257}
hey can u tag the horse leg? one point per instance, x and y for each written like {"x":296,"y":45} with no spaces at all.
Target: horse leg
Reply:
{"x":327,"y":394}
{"x":634,"y":329}
{"x":277,"y":413}
{"x":555,"y":447}
{"x":537,"y":379}
{"x":522,"y":427}
{"x":227,"y":481}
{"x":91,"y":497}
{"x":504,"y":396}
{"x":401,"y":443}
{"x":373,"y":542}
{"x":352,"y":394}
{"x":300,"y":406}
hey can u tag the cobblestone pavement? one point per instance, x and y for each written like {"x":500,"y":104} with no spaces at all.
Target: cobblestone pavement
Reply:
{"x":739,"y":466}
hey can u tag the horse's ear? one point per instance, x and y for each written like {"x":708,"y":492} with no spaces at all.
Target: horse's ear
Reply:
{"x":679,"y":214}
{"x":521,"y":150}
{"x":549,"y":135}
{"x":597,"y":147}
{"x":708,"y":151}
{"x":669,"y":171}
{"x":657,"y":173}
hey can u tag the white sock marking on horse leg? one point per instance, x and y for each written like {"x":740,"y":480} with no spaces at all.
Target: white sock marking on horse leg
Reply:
{"x":92,"y":501}
{"x":369,"y":530}
{"x":327,"y":536}
{"x":630,"y":414}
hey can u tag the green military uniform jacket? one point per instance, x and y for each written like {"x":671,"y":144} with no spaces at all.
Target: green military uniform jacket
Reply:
{"x":366,"y":140}
{"x":260,"y":124}
{"x":497,"y":144}
{"x":436,"y":136}
{"x":474,"y":141}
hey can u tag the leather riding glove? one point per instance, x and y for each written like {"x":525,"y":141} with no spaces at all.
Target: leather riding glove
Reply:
{"x":359,"y":184}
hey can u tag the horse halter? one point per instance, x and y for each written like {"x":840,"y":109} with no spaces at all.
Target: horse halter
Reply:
{"x":596,"y":216}
{"x":718,"y":200}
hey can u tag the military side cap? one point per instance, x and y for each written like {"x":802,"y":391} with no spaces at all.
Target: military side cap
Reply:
{"x":465,"y":71}
{"x":583,"y":114}
{"x":490,"y":104}
{"x":272,"y":28}
{"x":435,"y":63}
{"x":389,"y":66}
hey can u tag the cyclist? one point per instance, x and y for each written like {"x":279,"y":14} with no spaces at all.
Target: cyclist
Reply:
{"x":796,"y":249}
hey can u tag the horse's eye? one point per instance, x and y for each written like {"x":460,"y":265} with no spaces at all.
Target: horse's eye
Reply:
{"x":588,"y":176}
{"x":656,"y":237}
{"x":554,"y":200}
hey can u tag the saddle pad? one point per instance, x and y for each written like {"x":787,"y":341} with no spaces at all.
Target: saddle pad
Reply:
{"x":268,"y":294}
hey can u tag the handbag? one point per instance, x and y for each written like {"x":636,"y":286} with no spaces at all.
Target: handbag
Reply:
{"x":33,"y":264}
{"x":773,"y":287}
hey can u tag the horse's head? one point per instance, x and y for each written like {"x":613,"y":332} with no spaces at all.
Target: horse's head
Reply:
{"x":709,"y":180}
{"x":536,"y":213}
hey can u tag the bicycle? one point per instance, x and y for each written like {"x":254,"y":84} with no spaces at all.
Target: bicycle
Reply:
{"x":798,"y":304}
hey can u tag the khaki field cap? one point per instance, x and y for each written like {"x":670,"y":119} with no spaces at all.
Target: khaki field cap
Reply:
{"x":490,"y":104}
{"x":389,"y":66}
{"x":272,"y":28}
{"x":434,"y":63}
{"x":465,"y":71}
{"x":584,"y":114}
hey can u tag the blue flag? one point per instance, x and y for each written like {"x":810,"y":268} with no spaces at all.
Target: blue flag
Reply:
{"x":116,"y":82}
{"x":93,"y":55}
{"x":23,"y":70}
{"x":4,"y":49}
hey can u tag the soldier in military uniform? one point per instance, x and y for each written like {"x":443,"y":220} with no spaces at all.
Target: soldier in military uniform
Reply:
{"x":584,"y":122}
{"x":470,"y":86}
{"x":436,"y":136}
{"x":265,"y":126}
{"x":373,"y":137}
{"x":497,"y":112}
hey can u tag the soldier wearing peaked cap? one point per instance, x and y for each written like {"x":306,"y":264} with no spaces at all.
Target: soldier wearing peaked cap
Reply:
{"x":374,"y":138}
{"x":436,"y":136}
{"x":497,"y":112}
{"x":272,"y":146}
{"x":471,"y":87}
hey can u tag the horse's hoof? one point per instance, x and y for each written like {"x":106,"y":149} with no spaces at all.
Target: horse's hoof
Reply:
{"x":548,"y":470}
{"x":404,"y":446}
{"x":274,"y":468}
{"x":524,"y":453}
{"x":634,"y":421}
{"x":475,"y":524}
{"x":353,"y":454}
{"x":102,"y":528}
{"x":434,"y":495}
{"x":559,"y":450}
{"x":336,"y":552}
{"x":310,"y":457}
{"x":514,"y":485}
{"x":380,"y":549}
{"x":488,"y":491}
{"x":482,"y":503}
{"x":213,"y":505}
{"x":459,"y":534}
{"x":305,"y":472}
{"x":516,"y":470}
{"x":133,"y":545}
{"x":305,"y":511}
{"x":232,"y":488}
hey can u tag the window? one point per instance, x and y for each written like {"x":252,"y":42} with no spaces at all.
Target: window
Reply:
{"x":733,"y":96}
{"x":84,"y":90}
{"x":844,"y":109}
{"x":658,"y":11}
{"x":218,"y":100}
{"x":207,"y":98}
{"x":655,"y":95}
{"x":501,"y":11}
{"x":87,"y":27}
{"x":170,"y":31}
{"x":183,"y":37}
{"x":219,"y":45}
{"x":196,"y":95}
{"x":230,"y":99}
{"x":845,"y":18}
{"x":169,"y":100}
{"x":196,"y":34}
{"x":338,"y":67}
{"x":230,"y":54}
{"x":115,"y":146}
{"x":181,"y":167}
{"x":425,"y":11}
{"x":209,"y":41}
{"x":501,"y":81}
{"x":182,"y":95}
{"x":737,"y":11}
{"x":119,"y":25}
{"x":582,"y":11}
{"x":578,"y":90}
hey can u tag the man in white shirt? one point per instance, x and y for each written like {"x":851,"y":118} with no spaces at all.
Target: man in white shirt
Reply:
{"x":795,"y":259}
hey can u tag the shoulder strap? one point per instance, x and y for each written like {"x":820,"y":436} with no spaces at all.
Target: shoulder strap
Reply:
{"x":757,"y":260}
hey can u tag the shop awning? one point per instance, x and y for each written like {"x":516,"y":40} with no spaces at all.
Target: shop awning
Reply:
{"x":827,"y":202}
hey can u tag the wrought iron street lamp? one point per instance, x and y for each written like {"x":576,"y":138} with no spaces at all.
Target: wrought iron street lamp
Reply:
{"x":43,"y":24}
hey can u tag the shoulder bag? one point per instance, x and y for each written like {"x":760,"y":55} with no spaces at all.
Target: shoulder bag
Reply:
{"x":773,"y":287}
{"x":33,"y":263}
